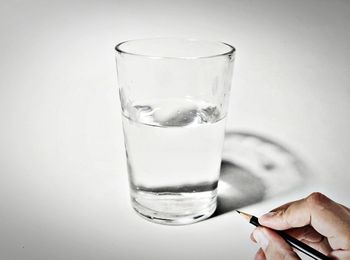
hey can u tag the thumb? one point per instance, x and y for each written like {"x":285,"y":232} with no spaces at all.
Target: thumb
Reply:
{"x":273,"y":245}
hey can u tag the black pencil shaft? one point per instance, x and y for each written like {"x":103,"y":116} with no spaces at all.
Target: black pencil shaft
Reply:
{"x":295,"y":243}
{"x":302,"y":247}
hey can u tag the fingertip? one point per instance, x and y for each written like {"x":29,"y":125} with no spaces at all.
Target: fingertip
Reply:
{"x":274,"y":220}
{"x":277,"y":247}
{"x":260,"y":237}
{"x":271,"y":236}
{"x":269,"y":219}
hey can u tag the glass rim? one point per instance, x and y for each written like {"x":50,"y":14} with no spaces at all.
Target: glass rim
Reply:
{"x":231,"y":50}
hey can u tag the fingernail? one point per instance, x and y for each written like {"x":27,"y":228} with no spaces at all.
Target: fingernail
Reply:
{"x":261,"y":238}
{"x":269,"y":214}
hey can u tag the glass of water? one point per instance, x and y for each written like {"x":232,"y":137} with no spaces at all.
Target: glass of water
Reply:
{"x":174,"y":95}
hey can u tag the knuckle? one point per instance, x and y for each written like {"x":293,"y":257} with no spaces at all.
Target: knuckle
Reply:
{"x":316,"y":199}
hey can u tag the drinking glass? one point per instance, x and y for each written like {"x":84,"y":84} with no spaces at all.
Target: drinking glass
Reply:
{"x":174,"y":96}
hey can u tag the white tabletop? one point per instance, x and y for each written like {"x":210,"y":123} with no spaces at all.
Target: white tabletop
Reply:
{"x":63,"y":180}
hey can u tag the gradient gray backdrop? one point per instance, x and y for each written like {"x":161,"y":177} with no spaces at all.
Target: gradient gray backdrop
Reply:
{"x":63,"y":181}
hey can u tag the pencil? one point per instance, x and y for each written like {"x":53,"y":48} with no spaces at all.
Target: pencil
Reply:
{"x":293,"y":242}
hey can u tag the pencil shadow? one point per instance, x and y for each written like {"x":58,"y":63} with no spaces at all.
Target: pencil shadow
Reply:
{"x":255,"y":168}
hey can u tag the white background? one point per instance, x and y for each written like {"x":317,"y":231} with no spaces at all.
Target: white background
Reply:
{"x":63,"y":180}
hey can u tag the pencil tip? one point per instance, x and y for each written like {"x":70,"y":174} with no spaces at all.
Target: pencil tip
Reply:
{"x":245,"y":215}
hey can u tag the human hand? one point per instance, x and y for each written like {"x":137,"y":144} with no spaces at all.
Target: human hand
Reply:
{"x":315,"y":220}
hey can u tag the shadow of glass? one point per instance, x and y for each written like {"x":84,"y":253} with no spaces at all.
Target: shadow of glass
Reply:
{"x":238,"y":188}
{"x":255,"y":168}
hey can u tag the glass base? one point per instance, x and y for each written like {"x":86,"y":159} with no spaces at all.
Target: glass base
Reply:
{"x":174,"y":208}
